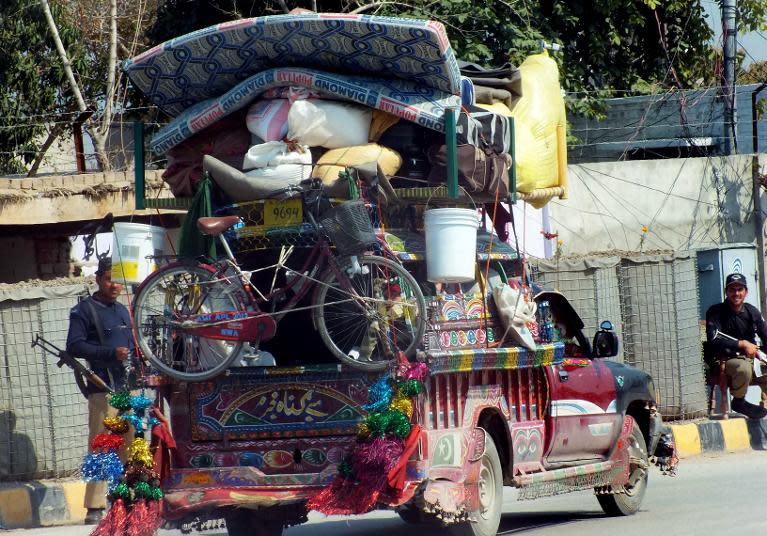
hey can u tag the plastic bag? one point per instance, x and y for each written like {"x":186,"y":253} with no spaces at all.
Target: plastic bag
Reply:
{"x":268,"y":119}
{"x":539,"y":127}
{"x":276,"y":153}
{"x":517,"y":311}
{"x":330,"y":124}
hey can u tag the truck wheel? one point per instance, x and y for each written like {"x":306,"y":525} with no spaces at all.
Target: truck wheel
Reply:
{"x":249,"y":523}
{"x":488,"y":516}
{"x":628,"y":503}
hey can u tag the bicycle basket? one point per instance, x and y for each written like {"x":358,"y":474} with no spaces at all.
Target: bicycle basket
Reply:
{"x":349,"y":228}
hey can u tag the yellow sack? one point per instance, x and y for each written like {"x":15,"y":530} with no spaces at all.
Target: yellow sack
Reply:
{"x":540,"y":146}
{"x":334,"y":161}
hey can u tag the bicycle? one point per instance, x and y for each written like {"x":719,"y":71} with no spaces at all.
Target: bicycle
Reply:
{"x":193,"y":318}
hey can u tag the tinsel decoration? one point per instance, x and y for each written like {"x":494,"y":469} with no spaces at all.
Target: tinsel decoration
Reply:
{"x":102,"y":466}
{"x":138,"y":452}
{"x":116,"y":425}
{"x":134,"y":491}
{"x":114,"y":522}
{"x":140,"y":402}
{"x":363,"y":432}
{"x":402,"y":404}
{"x":410,"y":388}
{"x":107,"y":442}
{"x":142,"y":490}
{"x":137,"y":422}
{"x":398,"y":425}
{"x":120,"y":400}
{"x":120,"y":491}
{"x":385,"y":441}
{"x":379,"y":395}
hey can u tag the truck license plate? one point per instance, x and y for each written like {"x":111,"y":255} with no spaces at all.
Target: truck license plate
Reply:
{"x":283,"y":213}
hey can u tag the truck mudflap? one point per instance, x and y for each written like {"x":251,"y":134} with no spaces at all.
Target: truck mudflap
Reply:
{"x":450,"y":491}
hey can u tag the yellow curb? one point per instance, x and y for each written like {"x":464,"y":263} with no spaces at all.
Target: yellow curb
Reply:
{"x":74,"y":492}
{"x":735,"y":432}
{"x":15,"y":508}
{"x":687,"y":439}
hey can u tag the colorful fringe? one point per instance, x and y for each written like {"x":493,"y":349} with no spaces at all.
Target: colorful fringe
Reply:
{"x":386,"y":440}
{"x":134,"y":489}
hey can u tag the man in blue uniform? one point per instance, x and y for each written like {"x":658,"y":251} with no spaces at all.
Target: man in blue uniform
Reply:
{"x":742,"y":321}
{"x":100,"y":330}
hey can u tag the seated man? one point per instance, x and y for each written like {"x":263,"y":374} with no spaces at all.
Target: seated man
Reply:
{"x":743,"y":321}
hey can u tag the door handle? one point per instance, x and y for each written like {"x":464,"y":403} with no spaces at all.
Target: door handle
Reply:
{"x":563,"y":375}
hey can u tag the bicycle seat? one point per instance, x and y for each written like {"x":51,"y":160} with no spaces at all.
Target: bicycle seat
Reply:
{"x":216,"y":226}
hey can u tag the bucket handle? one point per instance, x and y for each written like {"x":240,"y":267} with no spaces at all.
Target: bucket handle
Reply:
{"x":426,"y":207}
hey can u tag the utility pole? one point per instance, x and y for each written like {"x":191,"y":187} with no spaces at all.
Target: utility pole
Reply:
{"x":756,"y":181}
{"x":729,"y":28}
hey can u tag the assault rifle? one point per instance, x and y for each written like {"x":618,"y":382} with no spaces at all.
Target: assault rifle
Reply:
{"x":81,"y":371}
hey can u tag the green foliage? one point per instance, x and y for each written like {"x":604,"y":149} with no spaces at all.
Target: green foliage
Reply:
{"x":34,"y":92}
{"x":609,"y":47}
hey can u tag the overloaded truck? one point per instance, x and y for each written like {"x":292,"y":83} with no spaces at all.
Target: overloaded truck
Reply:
{"x":368,"y":337}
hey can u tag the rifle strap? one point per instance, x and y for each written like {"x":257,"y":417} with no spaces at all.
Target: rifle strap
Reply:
{"x":100,"y":332}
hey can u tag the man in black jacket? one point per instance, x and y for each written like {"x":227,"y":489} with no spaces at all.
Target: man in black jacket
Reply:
{"x":100,"y":330}
{"x":742,"y":321}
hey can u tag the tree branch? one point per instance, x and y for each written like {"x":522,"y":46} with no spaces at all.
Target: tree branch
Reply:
{"x":54,"y":133}
{"x":63,"y":55}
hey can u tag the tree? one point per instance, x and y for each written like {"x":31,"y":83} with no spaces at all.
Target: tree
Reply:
{"x":610,"y":47}
{"x":33,"y":105}
{"x":57,"y":60}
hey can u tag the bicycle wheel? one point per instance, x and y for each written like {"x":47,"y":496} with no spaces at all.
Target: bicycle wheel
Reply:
{"x":166,"y":298}
{"x":367,"y":318}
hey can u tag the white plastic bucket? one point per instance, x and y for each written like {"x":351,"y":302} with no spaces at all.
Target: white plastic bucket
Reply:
{"x":451,"y":244}
{"x":133,"y":247}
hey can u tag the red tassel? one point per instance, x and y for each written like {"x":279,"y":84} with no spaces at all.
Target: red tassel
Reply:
{"x":343,"y":497}
{"x":143,"y":520}
{"x":163,"y":445}
{"x":396,"y":477}
{"x":114,"y":523}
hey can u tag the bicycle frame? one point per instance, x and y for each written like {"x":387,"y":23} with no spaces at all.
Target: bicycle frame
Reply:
{"x":255,"y":326}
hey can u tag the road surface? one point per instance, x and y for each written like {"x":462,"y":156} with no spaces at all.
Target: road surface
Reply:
{"x":713,"y":494}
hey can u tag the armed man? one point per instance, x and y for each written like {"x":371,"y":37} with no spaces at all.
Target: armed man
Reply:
{"x":100,"y":330}
{"x":741,"y":321}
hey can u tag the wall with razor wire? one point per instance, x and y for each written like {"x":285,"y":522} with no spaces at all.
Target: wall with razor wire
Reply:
{"x":43,"y":416}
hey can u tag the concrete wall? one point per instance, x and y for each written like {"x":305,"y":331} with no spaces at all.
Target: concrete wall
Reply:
{"x":684,"y":203}
{"x":657,"y":121}
{"x":65,"y":198}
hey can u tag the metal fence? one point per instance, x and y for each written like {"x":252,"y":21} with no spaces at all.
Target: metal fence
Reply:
{"x":43,"y":416}
{"x":590,"y":284}
{"x":659,"y":302}
{"x":653,"y":303}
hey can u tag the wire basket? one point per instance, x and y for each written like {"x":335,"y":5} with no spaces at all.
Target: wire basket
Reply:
{"x":349,"y":227}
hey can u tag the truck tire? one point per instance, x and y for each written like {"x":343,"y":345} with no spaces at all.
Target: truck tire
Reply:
{"x":249,"y":523}
{"x":488,"y":516}
{"x":628,"y":503}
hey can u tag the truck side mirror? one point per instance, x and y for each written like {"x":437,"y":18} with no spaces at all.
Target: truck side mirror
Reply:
{"x":605,"y":341}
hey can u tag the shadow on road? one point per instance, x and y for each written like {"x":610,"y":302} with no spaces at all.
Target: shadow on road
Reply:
{"x":511,"y":523}
{"x":519,"y":523}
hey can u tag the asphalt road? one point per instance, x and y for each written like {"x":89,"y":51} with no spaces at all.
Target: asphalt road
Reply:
{"x":715,"y":494}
